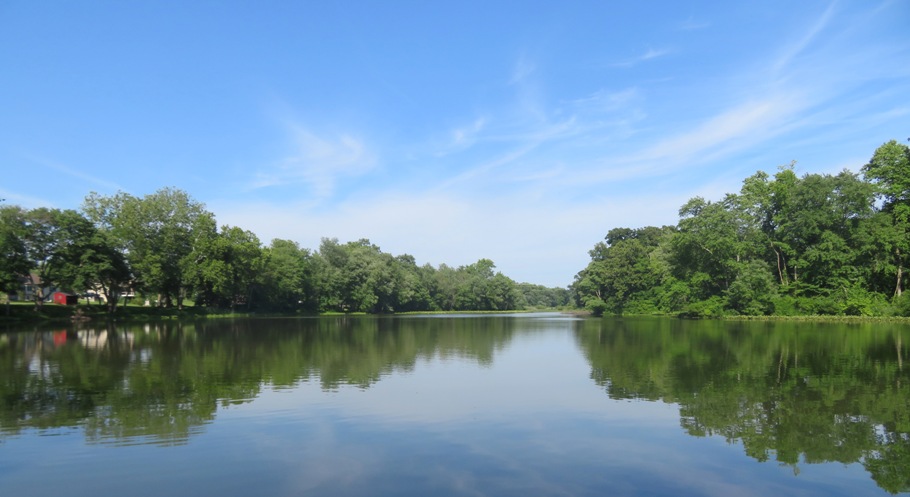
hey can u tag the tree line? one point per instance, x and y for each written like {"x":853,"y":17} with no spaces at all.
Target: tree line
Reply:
{"x":168,"y":248}
{"x":819,"y":244}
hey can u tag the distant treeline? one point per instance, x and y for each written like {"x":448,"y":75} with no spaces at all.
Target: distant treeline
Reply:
{"x":166,"y":248}
{"x":784,"y":245}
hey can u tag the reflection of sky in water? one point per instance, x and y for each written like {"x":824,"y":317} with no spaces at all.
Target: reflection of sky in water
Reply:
{"x":531,"y":423}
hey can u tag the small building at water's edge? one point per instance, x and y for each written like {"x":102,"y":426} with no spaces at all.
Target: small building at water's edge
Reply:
{"x":63,"y":298}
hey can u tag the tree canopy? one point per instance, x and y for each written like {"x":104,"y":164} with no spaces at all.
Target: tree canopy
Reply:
{"x":784,"y":244}
{"x":167,"y":247}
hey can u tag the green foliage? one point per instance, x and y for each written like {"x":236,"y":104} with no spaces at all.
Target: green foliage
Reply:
{"x":288,"y":279}
{"x":621,"y":270}
{"x":860,"y":302}
{"x":596,"y":306}
{"x":902,"y":305}
{"x":786,"y":305}
{"x":359,"y":277}
{"x":783,"y":245}
{"x":889,"y":170}
{"x":712,"y":307}
{"x":14,"y":261}
{"x":157,"y":232}
{"x":90,"y":260}
{"x":754,"y":289}
{"x":168,"y":248}
{"x":641,"y":304}
{"x":541,"y":297}
{"x":223,"y":267}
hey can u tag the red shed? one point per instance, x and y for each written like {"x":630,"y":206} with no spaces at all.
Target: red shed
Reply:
{"x":65,"y":298}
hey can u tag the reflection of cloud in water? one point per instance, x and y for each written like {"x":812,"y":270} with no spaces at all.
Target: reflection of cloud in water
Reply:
{"x":328,"y":453}
{"x":460,"y":409}
{"x":536,"y":372}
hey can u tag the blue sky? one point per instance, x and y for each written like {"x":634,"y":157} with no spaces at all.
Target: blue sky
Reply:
{"x":516,"y":131}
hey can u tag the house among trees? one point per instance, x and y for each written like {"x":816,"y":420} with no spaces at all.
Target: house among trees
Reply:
{"x":33,"y":287}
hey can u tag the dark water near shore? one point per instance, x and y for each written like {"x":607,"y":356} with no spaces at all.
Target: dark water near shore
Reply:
{"x":539,"y":404}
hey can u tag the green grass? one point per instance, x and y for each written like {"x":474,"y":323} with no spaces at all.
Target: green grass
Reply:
{"x":49,"y":312}
{"x":25,"y":312}
{"x":823,"y":317}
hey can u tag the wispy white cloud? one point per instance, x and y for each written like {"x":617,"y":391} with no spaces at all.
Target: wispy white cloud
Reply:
{"x":72,"y":172}
{"x":578,"y":164}
{"x":708,"y":140}
{"x":27,"y":201}
{"x":475,"y":173}
{"x":792,"y":50}
{"x":653,"y":54}
{"x":692,"y":24}
{"x":454,"y":228}
{"x":649,"y":54}
{"x":463,"y":137}
{"x":522,"y":70}
{"x":605,"y":100}
{"x":318,"y":161}
{"x":796,"y":98}
{"x":750,"y":121}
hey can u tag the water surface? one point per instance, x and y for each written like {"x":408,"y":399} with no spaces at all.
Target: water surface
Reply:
{"x":538,"y":404}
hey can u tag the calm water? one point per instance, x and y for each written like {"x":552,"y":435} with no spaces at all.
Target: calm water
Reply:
{"x":542,"y":405}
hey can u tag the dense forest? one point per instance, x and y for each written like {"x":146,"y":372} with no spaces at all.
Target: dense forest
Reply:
{"x":165,"y":248}
{"x":819,"y":244}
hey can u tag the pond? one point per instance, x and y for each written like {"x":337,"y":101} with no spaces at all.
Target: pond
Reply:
{"x":460,"y":405}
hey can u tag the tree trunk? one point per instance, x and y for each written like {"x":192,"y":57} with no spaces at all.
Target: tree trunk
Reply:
{"x":900,"y":272}
{"x":39,"y":300}
{"x":781,"y":274}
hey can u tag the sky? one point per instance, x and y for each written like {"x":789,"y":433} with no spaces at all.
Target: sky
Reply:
{"x":517,"y":131}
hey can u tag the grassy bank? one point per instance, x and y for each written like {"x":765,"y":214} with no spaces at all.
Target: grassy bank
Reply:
{"x":26,"y":312}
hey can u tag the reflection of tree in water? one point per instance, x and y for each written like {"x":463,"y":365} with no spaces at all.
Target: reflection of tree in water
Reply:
{"x":791,"y":391}
{"x":162,"y":383}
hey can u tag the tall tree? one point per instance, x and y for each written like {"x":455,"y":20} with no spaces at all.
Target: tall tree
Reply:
{"x":156,"y":232}
{"x":14,"y":262}
{"x":889,"y":170}
{"x":621,"y":270}
{"x":289,"y":277}
{"x":223,"y":267}
{"x":710,"y":244}
{"x":43,"y":242}
{"x":412,"y":291}
{"x":89,"y":259}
